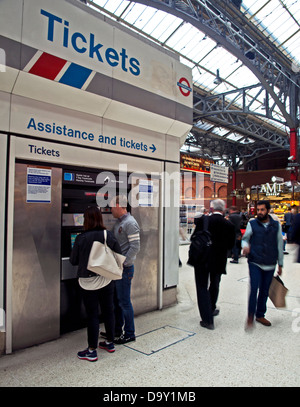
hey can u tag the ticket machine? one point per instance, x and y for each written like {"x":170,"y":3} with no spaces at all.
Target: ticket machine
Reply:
{"x":80,"y":187}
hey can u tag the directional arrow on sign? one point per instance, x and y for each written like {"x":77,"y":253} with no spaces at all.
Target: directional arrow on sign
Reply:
{"x":153,"y":148}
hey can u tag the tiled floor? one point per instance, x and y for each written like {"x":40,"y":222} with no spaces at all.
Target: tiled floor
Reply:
{"x":173,"y":350}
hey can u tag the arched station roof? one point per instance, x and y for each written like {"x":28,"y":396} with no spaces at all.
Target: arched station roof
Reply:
{"x":245,"y":59}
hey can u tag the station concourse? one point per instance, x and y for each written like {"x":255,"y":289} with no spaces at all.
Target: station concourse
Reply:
{"x":172,"y":104}
{"x":173,"y":350}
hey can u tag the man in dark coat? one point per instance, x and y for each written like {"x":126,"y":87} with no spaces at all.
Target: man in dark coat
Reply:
{"x":289,"y":218}
{"x":295,"y":234}
{"x":223,"y":238}
{"x":236,"y":219}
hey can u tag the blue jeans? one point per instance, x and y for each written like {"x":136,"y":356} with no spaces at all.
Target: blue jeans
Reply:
{"x":260,"y":281}
{"x":125,"y":313}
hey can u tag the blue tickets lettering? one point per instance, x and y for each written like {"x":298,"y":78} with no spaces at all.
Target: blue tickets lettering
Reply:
{"x":93,"y":49}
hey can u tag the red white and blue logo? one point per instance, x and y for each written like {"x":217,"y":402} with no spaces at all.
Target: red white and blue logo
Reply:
{"x":184,"y":86}
{"x":60,"y":70}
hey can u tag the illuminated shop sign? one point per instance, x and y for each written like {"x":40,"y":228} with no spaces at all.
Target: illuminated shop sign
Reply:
{"x":190,"y":163}
{"x":271,"y":189}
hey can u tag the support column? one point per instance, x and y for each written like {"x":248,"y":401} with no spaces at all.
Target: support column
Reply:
{"x":234,"y":187}
{"x":293,"y":153}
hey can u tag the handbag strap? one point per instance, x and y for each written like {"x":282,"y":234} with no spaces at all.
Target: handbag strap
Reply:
{"x":105,"y":236}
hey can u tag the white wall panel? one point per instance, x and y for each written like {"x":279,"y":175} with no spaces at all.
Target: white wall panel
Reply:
{"x":3,"y":152}
{"x":11,"y":10}
{"x":44,"y":90}
{"x":24,"y":110}
{"x":137,"y":117}
{"x":8,"y":79}
{"x":4,"y":110}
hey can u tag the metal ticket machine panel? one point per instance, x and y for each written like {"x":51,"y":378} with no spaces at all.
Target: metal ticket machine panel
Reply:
{"x":36,"y":255}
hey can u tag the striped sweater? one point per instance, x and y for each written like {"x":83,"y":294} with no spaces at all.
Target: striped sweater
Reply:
{"x":127,"y":232}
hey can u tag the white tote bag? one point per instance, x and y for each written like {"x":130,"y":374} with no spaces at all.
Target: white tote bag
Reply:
{"x":104,"y":261}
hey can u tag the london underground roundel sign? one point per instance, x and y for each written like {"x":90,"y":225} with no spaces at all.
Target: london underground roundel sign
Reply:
{"x":184,"y":86}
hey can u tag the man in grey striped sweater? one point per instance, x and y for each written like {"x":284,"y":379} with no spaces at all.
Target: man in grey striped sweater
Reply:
{"x":127,"y":233}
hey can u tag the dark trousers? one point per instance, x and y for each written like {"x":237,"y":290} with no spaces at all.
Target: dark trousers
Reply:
{"x":236,"y":249}
{"x":91,"y":299}
{"x":207,"y":297}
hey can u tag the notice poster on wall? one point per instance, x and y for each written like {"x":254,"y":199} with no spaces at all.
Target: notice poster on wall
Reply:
{"x":145,"y":193}
{"x":38,"y":185}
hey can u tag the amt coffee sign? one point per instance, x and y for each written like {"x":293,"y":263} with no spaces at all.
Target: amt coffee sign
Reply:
{"x":271,"y":190}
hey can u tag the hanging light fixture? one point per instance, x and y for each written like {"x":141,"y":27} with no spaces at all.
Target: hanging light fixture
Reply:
{"x":218,"y":79}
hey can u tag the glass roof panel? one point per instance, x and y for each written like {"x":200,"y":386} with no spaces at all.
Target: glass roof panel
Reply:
{"x":215,"y":60}
{"x":180,"y":37}
{"x":205,"y":46}
{"x":170,"y":24}
{"x":220,"y":131}
{"x":253,"y":5}
{"x":274,"y":21}
{"x":278,"y":19}
{"x":234,"y":137}
{"x":156,"y":26}
{"x":114,"y":6}
{"x":133,"y":13}
{"x":189,"y":149}
{"x":204,"y":126}
{"x":144,"y":17}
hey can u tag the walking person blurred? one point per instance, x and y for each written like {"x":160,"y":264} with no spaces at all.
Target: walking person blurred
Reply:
{"x":95,"y":289}
{"x":236,"y":219}
{"x":289,"y":217}
{"x":263,"y":244}
{"x":295,"y":234}
{"x":222,"y":237}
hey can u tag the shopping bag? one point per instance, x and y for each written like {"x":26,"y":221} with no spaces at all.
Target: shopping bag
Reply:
{"x":105,"y":262}
{"x":277,"y":292}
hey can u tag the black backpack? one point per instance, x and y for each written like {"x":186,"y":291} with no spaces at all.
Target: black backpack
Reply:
{"x":200,"y":245}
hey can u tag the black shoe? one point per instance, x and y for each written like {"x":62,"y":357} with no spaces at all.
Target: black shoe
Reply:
{"x":206,"y":325}
{"x":234,"y":261}
{"x":124,"y":339}
{"x":103,"y":334}
{"x":216,"y":312}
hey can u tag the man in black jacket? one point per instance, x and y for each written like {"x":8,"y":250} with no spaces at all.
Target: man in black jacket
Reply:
{"x":236,"y":219}
{"x":295,"y":234}
{"x":223,"y":237}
